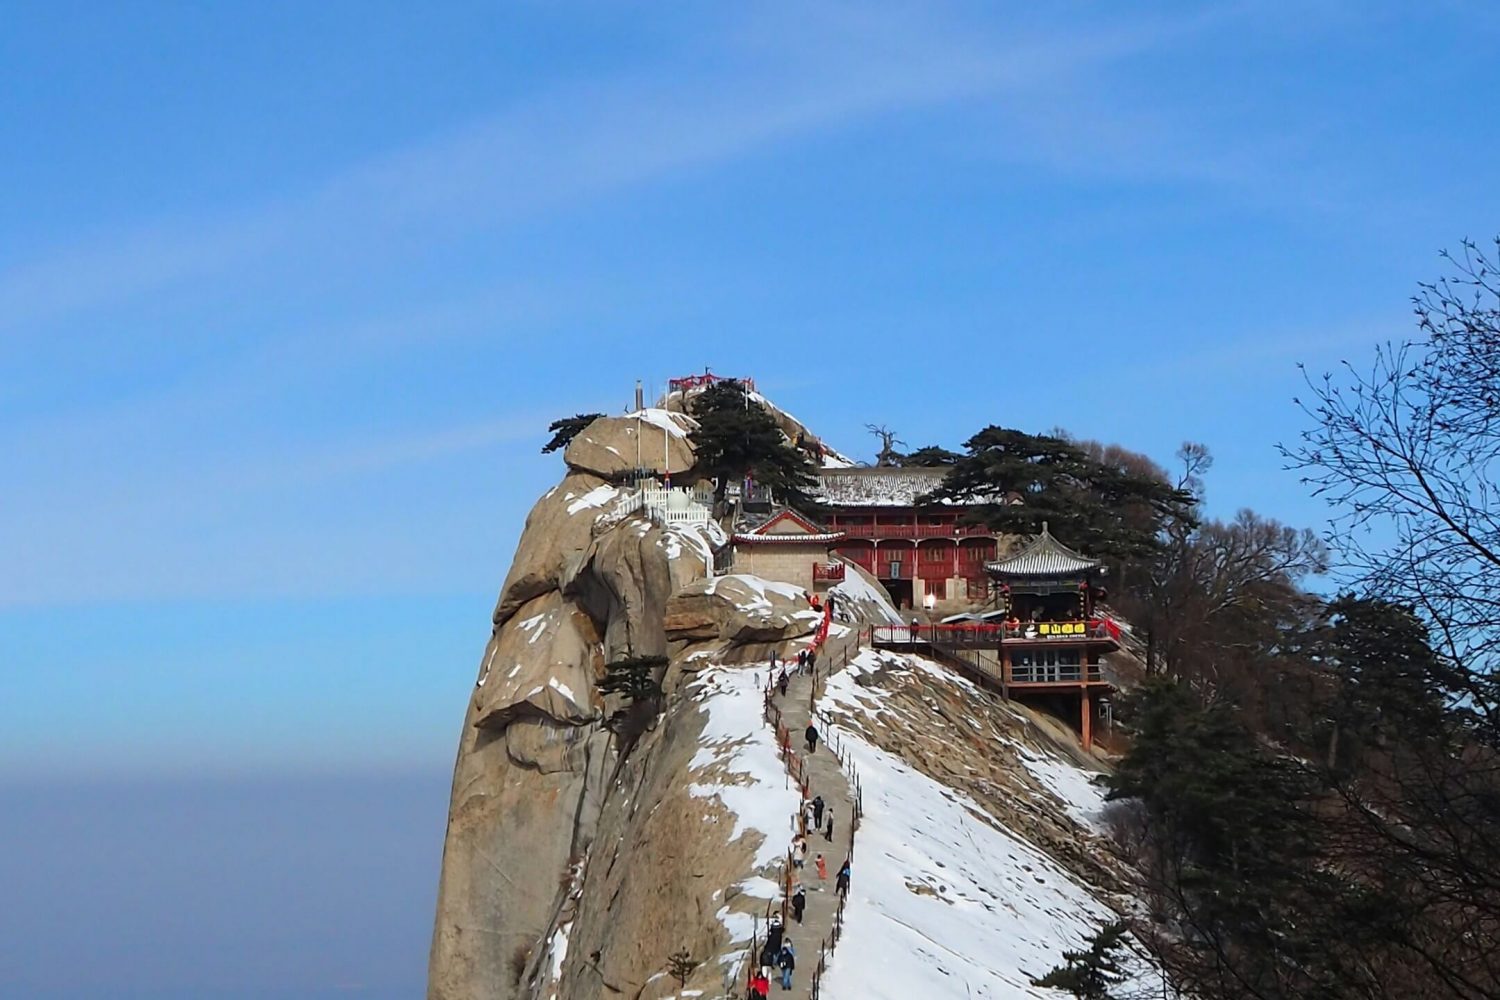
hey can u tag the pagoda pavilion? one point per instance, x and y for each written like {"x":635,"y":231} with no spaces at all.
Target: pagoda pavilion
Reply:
{"x":1052,"y":640}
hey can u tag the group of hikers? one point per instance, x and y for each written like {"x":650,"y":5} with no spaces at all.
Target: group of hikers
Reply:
{"x":807,"y":663}
{"x":778,"y":958}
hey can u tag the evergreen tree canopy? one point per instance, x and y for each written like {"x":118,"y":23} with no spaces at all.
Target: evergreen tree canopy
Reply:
{"x":931,"y":455}
{"x":1201,"y":773}
{"x":1393,"y":681}
{"x":567,"y":429}
{"x":635,"y":679}
{"x":1090,"y":974}
{"x":1102,"y":508}
{"x":737,"y":437}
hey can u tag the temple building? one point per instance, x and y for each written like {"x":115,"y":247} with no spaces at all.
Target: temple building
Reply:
{"x":1053,"y":640}
{"x":790,"y":548}
{"x":923,"y":555}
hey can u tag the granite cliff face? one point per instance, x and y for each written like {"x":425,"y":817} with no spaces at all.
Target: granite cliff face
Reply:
{"x":548,"y":828}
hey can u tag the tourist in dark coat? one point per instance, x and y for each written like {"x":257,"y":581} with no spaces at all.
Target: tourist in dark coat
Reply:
{"x":812,"y":738}
{"x":799,"y":902}
{"x":773,"y":938}
{"x":841,"y":881}
{"x":817,"y":811}
{"x":782,"y":682}
{"x":828,"y":833}
{"x":788,"y":962}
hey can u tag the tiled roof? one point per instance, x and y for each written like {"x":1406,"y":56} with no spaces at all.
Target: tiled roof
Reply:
{"x":1044,"y":556}
{"x":877,"y":487}
{"x":826,"y":537}
{"x":810,"y":534}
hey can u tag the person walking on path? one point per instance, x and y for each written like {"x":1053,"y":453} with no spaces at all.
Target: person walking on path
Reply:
{"x":817,"y":810}
{"x":812,"y":660}
{"x":773,"y":938}
{"x":812,"y":738}
{"x":828,"y":833}
{"x":822,"y":868}
{"x":799,"y":902}
{"x":801,"y":661}
{"x":788,"y":962}
{"x":781,"y":682}
{"x":841,"y":881}
{"x":760,"y":987}
{"x":807,"y":816}
{"x":799,"y":851}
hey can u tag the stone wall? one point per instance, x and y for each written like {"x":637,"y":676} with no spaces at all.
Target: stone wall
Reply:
{"x":786,"y":563}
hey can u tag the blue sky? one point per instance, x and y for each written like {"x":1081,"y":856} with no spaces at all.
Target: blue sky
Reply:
{"x":289,"y":291}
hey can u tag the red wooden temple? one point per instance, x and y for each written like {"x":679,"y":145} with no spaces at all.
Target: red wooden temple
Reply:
{"x":1045,"y":643}
{"x":918,"y":553}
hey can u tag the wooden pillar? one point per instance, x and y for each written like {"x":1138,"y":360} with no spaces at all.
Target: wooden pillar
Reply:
{"x":1086,"y":729}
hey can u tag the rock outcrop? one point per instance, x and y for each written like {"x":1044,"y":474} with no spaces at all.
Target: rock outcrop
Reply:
{"x":738,"y":610}
{"x":559,"y":529}
{"x":651,"y":439}
{"x":540,"y":785}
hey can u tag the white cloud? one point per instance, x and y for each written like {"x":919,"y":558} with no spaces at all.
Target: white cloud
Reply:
{"x":826,"y":69}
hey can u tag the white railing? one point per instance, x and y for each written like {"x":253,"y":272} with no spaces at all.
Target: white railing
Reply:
{"x":677,"y":506}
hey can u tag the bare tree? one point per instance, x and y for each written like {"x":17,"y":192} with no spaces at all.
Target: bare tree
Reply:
{"x":1406,"y":455}
{"x":888,"y":455}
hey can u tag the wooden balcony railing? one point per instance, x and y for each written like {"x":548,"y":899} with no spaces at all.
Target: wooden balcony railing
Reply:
{"x":990,"y":635}
{"x":913,"y":530}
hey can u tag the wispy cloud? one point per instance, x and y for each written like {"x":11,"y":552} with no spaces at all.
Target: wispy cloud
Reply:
{"x":842,"y":65}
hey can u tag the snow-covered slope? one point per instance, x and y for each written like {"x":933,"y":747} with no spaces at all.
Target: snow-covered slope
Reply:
{"x":946,"y":899}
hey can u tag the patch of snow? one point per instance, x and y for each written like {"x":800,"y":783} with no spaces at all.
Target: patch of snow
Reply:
{"x":596,"y":497}
{"x":1072,"y":786}
{"x":737,"y":762}
{"x":856,"y":588}
{"x":674,"y":424}
{"x":560,"y":949}
{"x":562,"y":689}
{"x":536,"y":625}
{"x":484,"y":671}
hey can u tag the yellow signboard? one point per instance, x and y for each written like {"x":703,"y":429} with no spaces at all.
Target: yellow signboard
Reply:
{"x":1062,"y":628}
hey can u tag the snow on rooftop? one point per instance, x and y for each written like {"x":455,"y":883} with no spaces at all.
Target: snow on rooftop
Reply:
{"x":878,"y":487}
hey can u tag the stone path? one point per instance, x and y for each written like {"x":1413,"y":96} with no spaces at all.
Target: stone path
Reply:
{"x":825,"y":777}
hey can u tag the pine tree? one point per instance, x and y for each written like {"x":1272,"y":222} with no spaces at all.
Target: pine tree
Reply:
{"x":566,"y":429}
{"x":680,"y":965}
{"x":1102,"y":508}
{"x":635,"y":680}
{"x":930,"y":456}
{"x":736,"y":437}
{"x":1090,"y":973}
